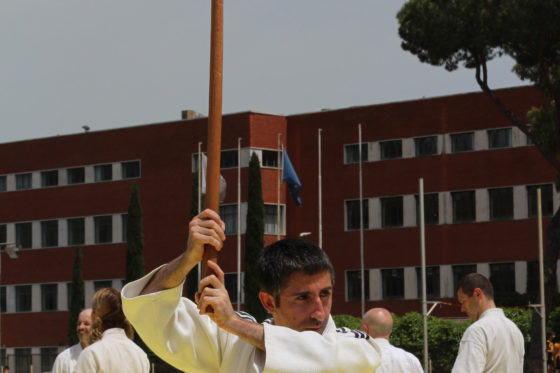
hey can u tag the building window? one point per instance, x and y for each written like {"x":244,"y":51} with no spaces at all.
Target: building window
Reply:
{"x":130,"y":170}
{"x":393,"y":283}
{"x":352,"y":153}
{"x":502,"y":277}
{"x":76,"y":175}
{"x":270,"y":220}
{"x":228,"y":159}
{"x":23,"y":298}
{"x":546,"y":200}
{"x":432,"y":282}
{"x":3,"y":184}
{"x":464,"y":209}
{"x":49,"y":233}
{"x":228,"y":213}
{"x":23,"y":359}
{"x":124,"y":221}
{"x":49,"y":178}
{"x":391,"y":212}
{"x":103,"y":228}
{"x":49,"y":296}
{"x":391,"y":149}
{"x":76,"y":231}
{"x":23,"y":181}
{"x":270,"y":158}
{"x":501,"y":203}
{"x":499,"y":138}
{"x":353,"y":214}
{"x":101,"y":284}
{"x":462,"y":142}
{"x":354,"y":285}
{"x":103,"y":172}
{"x":425,"y":146}
{"x":231,"y":286}
{"x":459,"y":271}
{"x":431,"y":209}
{"x":2,"y":301}
{"x":3,"y":236}
{"x":195,"y":162}
{"x":23,"y":235}
{"x":48,"y":355}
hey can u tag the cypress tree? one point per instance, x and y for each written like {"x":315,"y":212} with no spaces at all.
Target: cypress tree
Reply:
{"x":76,"y":297}
{"x":254,"y":239}
{"x":134,"y":238}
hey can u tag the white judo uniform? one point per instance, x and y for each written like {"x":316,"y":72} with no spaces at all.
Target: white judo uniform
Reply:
{"x":67,"y":359}
{"x":173,"y":328}
{"x":114,"y":353}
{"x":396,"y":360}
{"x":492,"y":344}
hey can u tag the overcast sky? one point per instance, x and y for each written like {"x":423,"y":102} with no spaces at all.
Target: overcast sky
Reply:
{"x":118,"y":63}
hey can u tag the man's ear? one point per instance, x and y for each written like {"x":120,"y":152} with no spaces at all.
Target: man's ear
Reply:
{"x":478,"y":292}
{"x":267,"y":301}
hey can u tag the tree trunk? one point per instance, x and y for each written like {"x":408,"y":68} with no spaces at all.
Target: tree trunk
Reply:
{"x":533,"y":356}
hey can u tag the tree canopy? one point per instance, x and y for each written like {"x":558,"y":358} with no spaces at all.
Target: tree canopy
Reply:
{"x":451,"y":33}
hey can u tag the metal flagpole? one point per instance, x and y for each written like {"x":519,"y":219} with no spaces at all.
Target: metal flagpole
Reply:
{"x":198,"y":266}
{"x":239,"y":223}
{"x":212,"y":199}
{"x":423,"y":269}
{"x":320,"y":187}
{"x":541,"y":279}
{"x":362,"y":272}
{"x":280,"y":171}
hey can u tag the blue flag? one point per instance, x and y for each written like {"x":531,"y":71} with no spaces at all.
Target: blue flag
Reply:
{"x":289,"y":177}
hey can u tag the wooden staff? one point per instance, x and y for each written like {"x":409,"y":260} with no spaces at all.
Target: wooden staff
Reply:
{"x":214,"y":122}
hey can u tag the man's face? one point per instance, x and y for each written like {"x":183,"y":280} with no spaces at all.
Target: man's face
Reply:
{"x":83,"y":327}
{"x":469,"y":305}
{"x":305,"y":303}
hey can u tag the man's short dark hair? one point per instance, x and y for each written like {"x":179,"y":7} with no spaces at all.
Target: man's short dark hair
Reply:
{"x":475,"y":280}
{"x":282,"y":258}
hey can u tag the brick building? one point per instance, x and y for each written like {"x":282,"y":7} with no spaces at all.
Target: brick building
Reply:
{"x":480,"y":176}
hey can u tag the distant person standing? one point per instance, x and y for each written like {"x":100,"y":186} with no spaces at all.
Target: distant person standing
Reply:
{"x":493,"y":343}
{"x":67,"y":359}
{"x":378,"y":323}
{"x":112,"y":350}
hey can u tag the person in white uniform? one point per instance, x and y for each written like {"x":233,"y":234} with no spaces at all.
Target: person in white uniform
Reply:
{"x":378,"y":323}
{"x":112,"y":350}
{"x":67,"y":359}
{"x":493,"y":343}
{"x":296,"y":279}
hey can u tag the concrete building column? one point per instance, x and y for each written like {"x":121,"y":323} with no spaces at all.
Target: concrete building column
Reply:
{"x":521,"y":277}
{"x":410,"y":283}
{"x":375,"y":285}
{"x":446,"y":281}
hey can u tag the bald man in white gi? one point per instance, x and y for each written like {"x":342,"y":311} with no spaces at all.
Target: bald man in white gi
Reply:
{"x":67,"y":359}
{"x":378,"y":323}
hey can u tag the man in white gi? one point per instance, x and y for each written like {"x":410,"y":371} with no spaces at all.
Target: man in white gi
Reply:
{"x":378,"y":323}
{"x":493,"y":343}
{"x":296,"y":280}
{"x":67,"y":359}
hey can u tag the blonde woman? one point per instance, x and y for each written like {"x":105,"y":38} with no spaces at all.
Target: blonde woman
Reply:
{"x":111,"y":349}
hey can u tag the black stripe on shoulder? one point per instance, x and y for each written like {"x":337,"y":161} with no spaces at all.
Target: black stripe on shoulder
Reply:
{"x":245,"y":316}
{"x":353,"y":333}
